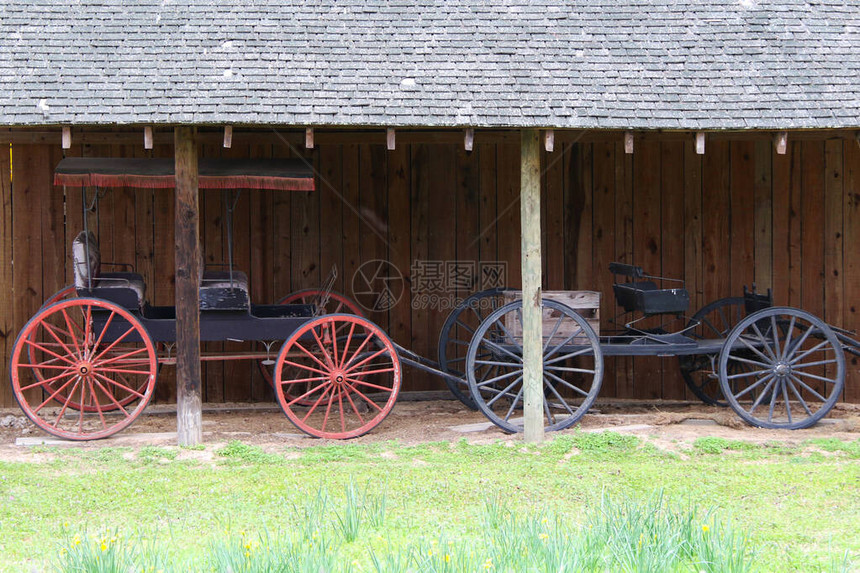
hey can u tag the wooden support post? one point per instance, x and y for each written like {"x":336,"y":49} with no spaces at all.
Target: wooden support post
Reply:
{"x":531,"y":272}
{"x":389,"y":138}
{"x":228,"y":136}
{"x":187,"y":222}
{"x":628,"y":142}
{"x":700,"y":142}
{"x":469,"y":139}
{"x":67,"y":137}
{"x":780,"y":142}
{"x":549,"y":140}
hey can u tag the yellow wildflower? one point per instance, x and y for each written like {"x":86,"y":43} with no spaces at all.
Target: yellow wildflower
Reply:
{"x":488,"y":564}
{"x":544,"y":520}
{"x":543,"y":536}
{"x":104,"y":546}
{"x":705,"y":529}
{"x":247,"y":554}
{"x":76,"y":540}
{"x":447,"y":558}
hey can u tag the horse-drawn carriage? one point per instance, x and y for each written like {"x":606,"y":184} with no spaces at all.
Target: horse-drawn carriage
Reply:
{"x":85,"y":365}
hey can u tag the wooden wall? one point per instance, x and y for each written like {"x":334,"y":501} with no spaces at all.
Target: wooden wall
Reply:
{"x":738,"y":214}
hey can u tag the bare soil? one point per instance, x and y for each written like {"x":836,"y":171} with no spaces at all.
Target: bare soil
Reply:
{"x":669,"y":425}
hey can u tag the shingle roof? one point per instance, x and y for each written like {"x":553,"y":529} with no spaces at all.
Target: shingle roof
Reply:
{"x":641,"y":64}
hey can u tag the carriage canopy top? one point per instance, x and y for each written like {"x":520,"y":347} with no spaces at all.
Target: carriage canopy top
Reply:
{"x":275,"y":174}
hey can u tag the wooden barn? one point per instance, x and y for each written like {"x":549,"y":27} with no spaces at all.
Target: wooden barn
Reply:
{"x":718,"y":143}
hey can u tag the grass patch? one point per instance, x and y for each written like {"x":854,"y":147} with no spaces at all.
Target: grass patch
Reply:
{"x":471,"y":503}
{"x":238,"y":453}
{"x":715,"y":445}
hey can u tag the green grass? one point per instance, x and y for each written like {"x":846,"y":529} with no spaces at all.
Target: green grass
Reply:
{"x":382,"y":504}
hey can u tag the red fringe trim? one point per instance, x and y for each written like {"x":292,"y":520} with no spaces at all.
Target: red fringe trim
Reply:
{"x":168,"y":181}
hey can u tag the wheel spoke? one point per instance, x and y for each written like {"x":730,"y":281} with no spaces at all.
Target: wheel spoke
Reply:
{"x":354,"y":409}
{"x":118,"y":385}
{"x":357,"y":352}
{"x":748,"y":361}
{"x":806,"y":353}
{"x":50,"y":330}
{"x":369,"y":384}
{"x":817,"y":363}
{"x":753,"y":386}
{"x":314,"y":358}
{"x":124,"y":356}
{"x":322,"y":347}
{"x":69,"y":323}
{"x":47,"y":351}
{"x":66,"y":403}
{"x":326,"y":391}
{"x":304,"y":367}
{"x":47,"y":381}
{"x":761,"y":396}
{"x":313,"y":390}
{"x":549,"y":417}
{"x":54,"y":395}
{"x":303,"y":380}
{"x":799,"y":398}
{"x":503,"y":392}
{"x":557,"y":395}
{"x":501,"y":349}
{"x":327,"y":407}
{"x":808,"y":388}
{"x":787,"y":403}
{"x":767,"y":361}
{"x":788,"y":337}
{"x":95,"y":401}
{"x":568,"y":384}
{"x":365,"y":398}
{"x":483,"y":383}
{"x":366,"y":360}
{"x":749,"y":373}
{"x":114,"y":343}
{"x":554,"y":330}
{"x":814,"y":377}
{"x":580,"y":352}
{"x":369,"y":372}
{"x":773,"y":394}
{"x":514,"y":404}
{"x":111,"y":398}
{"x":564,"y":342}
{"x":346,"y":346}
{"x":104,"y":330}
{"x":571,"y":369}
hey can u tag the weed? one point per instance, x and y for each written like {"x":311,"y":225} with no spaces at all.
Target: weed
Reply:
{"x":852,"y":449}
{"x":151,"y":454}
{"x":605,"y":442}
{"x":238,"y":453}
{"x":716,"y":445}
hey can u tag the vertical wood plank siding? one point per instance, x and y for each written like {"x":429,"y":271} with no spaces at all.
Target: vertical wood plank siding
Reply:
{"x":737,"y":214}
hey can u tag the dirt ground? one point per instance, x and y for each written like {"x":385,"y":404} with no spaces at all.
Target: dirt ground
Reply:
{"x":669,"y":425}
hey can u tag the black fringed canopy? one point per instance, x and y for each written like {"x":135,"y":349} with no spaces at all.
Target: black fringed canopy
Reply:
{"x":275,"y":174}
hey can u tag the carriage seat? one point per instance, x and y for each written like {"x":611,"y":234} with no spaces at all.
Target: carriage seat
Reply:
{"x":124,"y":288}
{"x":641,"y":295}
{"x":217,"y":292}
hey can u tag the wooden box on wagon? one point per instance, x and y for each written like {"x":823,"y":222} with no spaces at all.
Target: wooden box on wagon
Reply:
{"x":586,"y":303}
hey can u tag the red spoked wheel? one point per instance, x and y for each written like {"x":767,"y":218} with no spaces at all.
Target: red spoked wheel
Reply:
{"x":88,"y":353}
{"x":335,"y":303}
{"x":337,"y":376}
{"x":61,"y":397}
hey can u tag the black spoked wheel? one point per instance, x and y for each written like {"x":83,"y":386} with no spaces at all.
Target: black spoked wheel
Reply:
{"x":792,"y":369}
{"x":714,"y":320}
{"x":458,"y":330}
{"x":572,"y":364}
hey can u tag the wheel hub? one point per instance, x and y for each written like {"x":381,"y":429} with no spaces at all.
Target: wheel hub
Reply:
{"x":84,"y":368}
{"x":338,"y":377}
{"x":782,"y":369}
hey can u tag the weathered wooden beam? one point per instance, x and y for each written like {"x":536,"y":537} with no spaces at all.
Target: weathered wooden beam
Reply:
{"x":147,"y":137}
{"x":628,"y":142}
{"x":67,"y":137}
{"x":390,"y":141}
{"x":531,"y":271}
{"x":228,"y":136}
{"x":549,"y":140}
{"x":187,"y":223}
{"x":469,"y":139}
{"x":309,"y":138}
